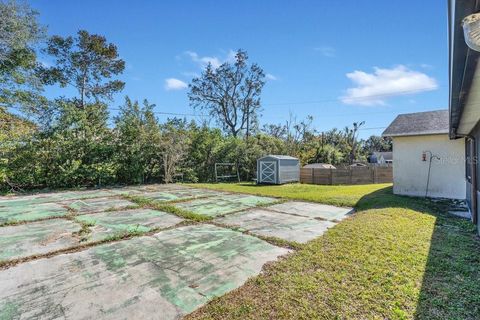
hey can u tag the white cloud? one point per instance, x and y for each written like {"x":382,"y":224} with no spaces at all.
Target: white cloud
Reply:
{"x":174,"y":84}
{"x":426,"y":66}
{"x":270,"y":76}
{"x":374,"y":88}
{"x":213,"y":60}
{"x":327,"y":51}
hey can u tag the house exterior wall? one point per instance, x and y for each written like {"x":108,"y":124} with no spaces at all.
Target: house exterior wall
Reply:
{"x":447,"y":175}
{"x":476,"y":134}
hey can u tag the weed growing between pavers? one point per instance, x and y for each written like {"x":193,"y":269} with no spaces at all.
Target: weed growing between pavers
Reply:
{"x":104,"y":224}
{"x":85,"y":230}
{"x":272,"y":240}
{"x":167,"y":207}
{"x":119,"y":236}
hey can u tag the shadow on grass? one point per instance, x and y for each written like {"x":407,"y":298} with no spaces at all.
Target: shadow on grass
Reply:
{"x":450,"y":286}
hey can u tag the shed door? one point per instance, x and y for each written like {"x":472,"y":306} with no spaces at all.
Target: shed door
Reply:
{"x":268,"y":171}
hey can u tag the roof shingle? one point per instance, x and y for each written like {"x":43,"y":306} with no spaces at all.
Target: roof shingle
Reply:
{"x":419,"y":123}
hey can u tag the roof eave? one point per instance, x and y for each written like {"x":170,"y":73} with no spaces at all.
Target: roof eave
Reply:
{"x":462,"y":61}
{"x":412,"y":134}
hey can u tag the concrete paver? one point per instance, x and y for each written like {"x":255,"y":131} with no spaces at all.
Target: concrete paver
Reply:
{"x":268,"y":223}
{"x":98,"y":204}
{"x":36,"y":238}
{"x":28,"y":212}
{"x":105,"y":224}
{"x":162,"y":276}
{"x":313,"y":210}
{"x":53,"y":197}
{"x":224,"y":204}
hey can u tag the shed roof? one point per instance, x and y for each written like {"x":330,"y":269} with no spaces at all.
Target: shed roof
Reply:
{"x":419,"y":123}
{"x":387,"y":155}
{"x":319,"y":165}
{"x":277,"y":156}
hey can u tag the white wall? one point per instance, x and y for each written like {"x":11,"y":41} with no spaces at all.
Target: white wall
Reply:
{"x":447,"y":176}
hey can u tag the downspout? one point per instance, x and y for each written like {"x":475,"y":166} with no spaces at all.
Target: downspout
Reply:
{"x":473,"y":170}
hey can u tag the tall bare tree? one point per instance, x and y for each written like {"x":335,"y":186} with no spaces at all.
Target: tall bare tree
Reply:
{"x":230,"y":93}
{"x":352,"y":134}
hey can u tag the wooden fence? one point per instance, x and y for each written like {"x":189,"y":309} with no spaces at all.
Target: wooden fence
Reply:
{"x":351,"y":175}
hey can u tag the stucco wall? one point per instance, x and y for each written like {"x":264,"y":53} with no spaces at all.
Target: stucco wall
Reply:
{"x":447,"y":176}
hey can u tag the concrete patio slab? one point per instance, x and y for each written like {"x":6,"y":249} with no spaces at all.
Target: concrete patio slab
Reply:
{"x":106,"y":224}
{"x":20,"y":200}
{"x":163,"y":276}
{"x":19,"y":212}
{"x":178,"y":194}
{"x":288,"y":227}
{"x":313,"y":210}
{"x":224,"y":204}
{"x":99,"y":204}
{"x":36,"y":238}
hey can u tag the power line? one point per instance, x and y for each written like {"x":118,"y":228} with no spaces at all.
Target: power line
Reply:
{"x":374,"y":128}
{"x":360,"y":98}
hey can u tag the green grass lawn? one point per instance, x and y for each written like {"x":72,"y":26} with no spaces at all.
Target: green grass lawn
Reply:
{"x":345,"y":196}
{"x":396,"y":258}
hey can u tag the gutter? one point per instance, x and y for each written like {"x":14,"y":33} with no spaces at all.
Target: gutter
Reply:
{"x":462,"y":60}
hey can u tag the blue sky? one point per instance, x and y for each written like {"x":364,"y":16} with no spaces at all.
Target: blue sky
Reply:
{"x":339,"y":61}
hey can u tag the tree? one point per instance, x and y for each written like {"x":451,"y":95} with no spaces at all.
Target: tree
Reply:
{"x":298,"y":133}
{"x":351,"y":136}
{"x":278,"y":131}
{"x":19,"y":34}
{"x":377,"y":143}
{"x":13,"y":130}
{"x":138,"y":142}
{"x":328,"y":154}
{"x":174,"y":145}
{"x":230,"y":93}
{"x":203,"y":152}
{"x":86,"y":62}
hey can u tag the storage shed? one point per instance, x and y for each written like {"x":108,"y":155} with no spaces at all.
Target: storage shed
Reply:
{"x":278,"y":169}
